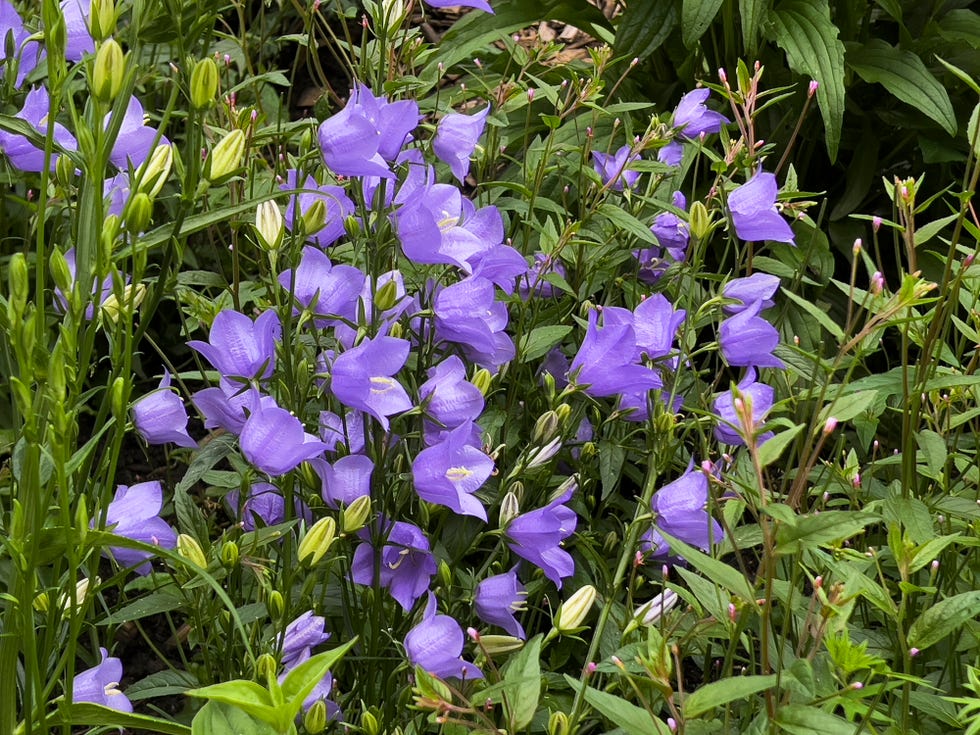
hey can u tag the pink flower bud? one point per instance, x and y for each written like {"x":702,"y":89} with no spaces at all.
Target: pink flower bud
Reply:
{"x":913,"y":652}
{"x":818,"y":582}
{"x":812,"y":89}
{"x":875,"y":223}
{"x":732,"y":612}
{"x":877,"y":283}
{"x":829,"y":425}
{"x":857,"y":246}
{"x":856,"y":686}
{"x":723,"y":76}
{"x":530,"y":94}
{"x":474,"y":634}
{"x":590,"y":668}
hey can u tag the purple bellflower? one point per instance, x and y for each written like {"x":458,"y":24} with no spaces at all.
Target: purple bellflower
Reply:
{"x":135,"y":514}
{"x":759,"y":287}
{"x":449,"y":398}
{"x":241,"y":348}
{"x":747,"y":340}
{"x":671,"y":154}
{"x":362,"y":378}
{"x":478,"y":4}
{"x":160,"y":417}
{"x":754,"y":213}
{"x":264,"y":503}
{"x":537,"y":536}
{"x":655,"y":324}
{"x":496,"y":600}
{"x":671,"y":231}
{"x":346,"y":480}
{"x":23,"y":154}
{"x":731,"y":428}
{"x":27,"y":56}
{"x":467,"y":314}
{"x":79,"y":39}
{"x":456,"y":138}
{"x":274,"y":441}
{"x":135,"y":140}
{"x":692,"y":117}
{"x":407,"y":565}
{"x":100,"y":685}
{"x":606,"y":361}
{"x":117,"y":191}
{"x":337,"y":204}
{"x":300,"y":637}
{"x":345,"y":434}
{"x":228,"y":406}
{"x":501,"y":264}
{"x":613,"y":169}
{"x":679,"y":510}
{"x":535,"y":283}
{"x":329,"y":291}
{"x":104,"y":289}
{"x":451,"y":471}
{"x":436,"y":645}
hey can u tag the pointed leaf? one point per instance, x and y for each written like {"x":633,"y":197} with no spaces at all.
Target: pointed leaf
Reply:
{"x":632,"y":719}
{"x":218,"y":718}
{"x":643,"y":27}
{"x":941,"y":619}
{"x":696,"y":16}
{"x":717,"y":693}
{"x":302,"y":680}
{"x":85,"y":713}
{"x":522,"y":679}
{"x":246,"y":695}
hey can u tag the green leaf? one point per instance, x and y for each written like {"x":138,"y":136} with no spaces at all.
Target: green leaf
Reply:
{"x":803,"y":29}
{"x":163,"y":601}
{"x":819,"y":315}
{"x":302,"y":679}
{"x":632,"y":719}
{"x":696,"y":16}
{"x":752,"y":14}
{"x":973,"y":131}
{"x":626,"y":221}
{"x":246,"y":695}
{"x":522,"y":684}
{"x":960,"y":74}
{"x":718,"y":572}
{"x":932,"y":451}
{"x":941,"y":619}
{"x":930,"y":229}
{"x":161,"y":684}
{"x":80,"y":714}
{"x":540,"y":340}
{"x":846,"y":410}
{"x":644,"y":27}
{"x":717,"y":693}
{"x":904,"y":75}
{"x":773,"y":448}
{"x":218,"y":718}
{"x":817,"y":530}
{"x":799,"y":719}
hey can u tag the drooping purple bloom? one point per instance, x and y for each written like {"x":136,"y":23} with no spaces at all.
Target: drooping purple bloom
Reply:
{"x":264,"y":502}
{"x":672,"y":232}
{"x":537,"y":536}
{"x":100,"y":684}
{"x":556,"y":364}
{"x":135,"y":513}
{"x":338,"y":206}
{"x":614,"y":170}
{"x":605,"y":364}
{"x":300,"y":637}
{"x":754,"y":213}
{"x":79,"y":39}
{"x":496,"y":600}
{"x":346,"y":480}
{"x":407,"y":565}
{"x":692,"y":117}
{"x":239,"y":347}
{"x":747,"y":340}
{"x":104,"y":289}
{"x":730,"y":428}
{"x":449,"y":472}
{"x":671,"y":154}
{"x":274,"y":441}
{"x":370,"y":131}
{"x":757,"y":288}
{"x":160,"y":416}
{"x":679,"y":510}
{"x":501,"y":264}
{"x":135,"y":140}
{"x":449,"y":398}
{"x":362,"y":378}
{"x":478,"y":4}
{"x":27,"y":56}
{"x":329,"y":291}
{"x":436,"y":645}
{"x":456,"y":139}
{"x":23,"y":154}
{"x":467,"y":314}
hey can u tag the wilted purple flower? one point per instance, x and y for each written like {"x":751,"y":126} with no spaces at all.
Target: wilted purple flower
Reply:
{"x":679,"y":510}
{"x":274,"y":441}
{"x":496,"y":600}
{"x":27,"y":56}
{"x":606,"y":361}
{"x":368,"y":132}
{"x":692,"y":117}
{"x":135,"y":140}
{"x":23,"y":154}
{"x":135,"y":514}
{"x":747,"y":340}
{"x":467,"y":313}
{"x":730,"y":427}
{"x":456,"y":139}
{"x":406,"y":566}
{"x":757,"y":288}
{"x":264,"y":502}
{"x":537,"y":536}
{"x":672,"y":232}
{"x":345,"y":480}
{"x":556,"y":365}
{"x":104,"y":289}
{"x":79,"y":39}
{"x":451,"y":471}
{"x":100,"y":685}
{"x":325,"y":289}
{"x":615,"y":168}
{"x":449,"y":398}
{"x":300,"y":637}
{"x":754,"y":213}
{"x":337,"y":205}
{"x":160,"y":416}
{"x":239,"y":347}
{"x":436,"y":645}
{"x":534,"y":283}
{"x":361,"y":378}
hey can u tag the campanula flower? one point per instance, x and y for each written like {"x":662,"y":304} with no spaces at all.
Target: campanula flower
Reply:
{"x":754,"y":213}
{"x":407,"y":565}
{"x":747,"y":340}
{"x":100,"y":684}
{"x":731,"y":428}
{"x":614,"y":170}
{"x":655,"y":324}
{"x":21,"y":152}
{"x":467,"y":314}
{"x":759,"y":287}
{"x":456,"y":138}
{"x":345,"y":433}
{"x":448,"y":398}
{"x":436,"y":645}
{"x":478,"y":4}
{"x":534,"y":282}
{"x":301,"y":636}
{"x":264,"y":502}
{"x":274,"y":441}
{"x":496,"y":600}
{"x":228,"y":406}
{"x":79,"y":39}
{"x":160,"y":417}
{"x":679,"y":510}
{"x":362,"y":378}
{"x":337,"y":207}
{"x":449,"y":472}
{"x":347,"y":479}
{"x":329,"y":291}
{"x":692,"y":117}
{"x":537,"y":536}
{"x":135,"y":513}
{"x":135,"y":141}
{"x":27,"y":56}
{"x":671,"y":231}
{"x":104,"y":289}
{"x":501,"y":264}
{"x":116,"y":191}
{"x":239,"y":347}
{"x":606,"y":361}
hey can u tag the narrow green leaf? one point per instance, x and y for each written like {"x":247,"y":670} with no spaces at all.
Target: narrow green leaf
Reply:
{"x":84,"y":713}
{"x":773,"y":448}
{"x":752,"y":13}
{"x":540,"y":340}
{"x":846,"y":409}
{"x":904,"y":75}
{"x":246,"y":695}
{"x":302,"y":679}
{"x":218,"y":718}
{"x":626,"y":221}
{"x":717,"y":693}
{"x":819,"y":315}
{"x":799,"y":719}
{"x":696,"y":16}
{"x":643,"y":27}
{"x":522,"y":680}
{"x":163,"y":601}
{"x":941,"y":619}
{"x":960,"y":74}
{"x":718,"y":572}
{"x":632,"y":719}
{"x":932,"y":448}
{"x":828,"y":527}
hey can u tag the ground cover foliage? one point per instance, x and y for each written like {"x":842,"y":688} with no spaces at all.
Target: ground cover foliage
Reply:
{"x":564,"y":367}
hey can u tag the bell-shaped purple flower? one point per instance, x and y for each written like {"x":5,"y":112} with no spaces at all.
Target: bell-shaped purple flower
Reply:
{"x":449,"y":398}
{"x":239,"y":347}
{"x":756,"y":400}
{"x":26,"y":55}
{"x":451,"y":471}
{"x":362,"y":378}
{"x":436,"y":645}
{"x":467,"y":314}
{"x":655,"y":324}
{"x":135,"y":513}
{"x":614,"y":170}
{"x":679,"y":510}
{"x":692,"y":117}
{"x":496,"y":600}
{"x":747,"y":340}
{"x":757,"y":288}
{"x":501,"y":264}
{"x":274,"y":441}
{"x":116,"y":192}
{"x":338,"y":206}
{"x":406,"y":567}
{"x":300,"y":637}
{"x":672,"y":232}
{"x":346,"y":480}
{"x":537,"y":536}
{"x":329,"y":291}
{"x":456,"y":139}
{"x":606,"y":361}
{"x":100,"y":685}
{"x":671,"y":154}
{"x":135,"y":140}
{"x":160,"y":417}
{"x":264,"y":503}
{"x":345,"y":434}
{"x":754,"y":213}
{"x":79,"y":40}
{"x":21,"y":152}
{"x":228,"y":406}
{"x":478,"y":4}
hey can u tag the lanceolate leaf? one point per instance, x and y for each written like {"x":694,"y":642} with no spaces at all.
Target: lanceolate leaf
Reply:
{"x":696,"y":16}
{"x":643,"y":27}
{"x":803,"y":29}
{"x":904,"y":75}
{"x":726,"y":690}
{"x":943,"y":618}
{"x":752,"y":14}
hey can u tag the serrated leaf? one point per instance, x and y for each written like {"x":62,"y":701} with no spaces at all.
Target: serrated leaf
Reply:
{"x":717,"y":693}
{"x":817,"y":530}
{"x":696,"y":16}
{"x":941,"y":619}
{"x":540,"y":340}
{"x":803,"y":29}
{"x":932,"y":447}
{"x":904,"y":75}
{"x":219,"y":718}
{"x":643,"y":27}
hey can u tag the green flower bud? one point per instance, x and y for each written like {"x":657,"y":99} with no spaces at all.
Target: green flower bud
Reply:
{"x":509,"y":509}
{"x":352,"y":226}
{"x":41,"y":602}
{"x":204,"y":83}
{"x":119,"y":398}
{"x":563,"y":412}
{"x":102,"y":19}
{"x":496,"y":645}
{"x":109,"y":70}
{"x":317,"y":541}
{"x":60,"y":273}
{"x":19,"y":281}
{"x":275,"y":605}
{"x":445,"y":575}
{"x":57,"y":384}
{"x":269,"y":225}
{"x":396,"y":330}
{"x":314,"y":218}
{"x":558,"y":723}
{"x":81,"y":519}
{"x":699,"y":220}
{"x":315,"y":719}
{"x":138,"y":213}
{"x":226,"y":157}
{"x":55,"y":33}
{"x":190,"y":550}
{"x":545,"y":428}
{"x":156,"y":170}
{"x":229,"y":554}
{"x":387,"y":296}
{"x":355,"y":516}
{"x":64,"y":169}
{"x":482,"y":380}
{"x":587,"y":452}
{"x":572,"y":612}
{"x":265,"y":666}
{"x":132,"y":297}
{"x":369,"y":724}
